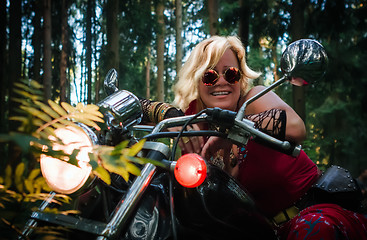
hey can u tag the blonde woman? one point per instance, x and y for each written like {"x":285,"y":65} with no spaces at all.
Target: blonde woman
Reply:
{"x":216,"y":75}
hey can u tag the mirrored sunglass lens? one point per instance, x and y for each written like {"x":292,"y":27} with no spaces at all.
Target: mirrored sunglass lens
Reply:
{"x":210,"y":77}
{"x":232,"y":75}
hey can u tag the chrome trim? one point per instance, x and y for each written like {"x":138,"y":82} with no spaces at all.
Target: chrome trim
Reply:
{"x":121,"y":108}
{"x":32,"y":223}
{"x":159,"y":147}
{"x":127,"y":205}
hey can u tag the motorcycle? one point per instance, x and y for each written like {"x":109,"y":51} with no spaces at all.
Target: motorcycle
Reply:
{"x":184,"y":199}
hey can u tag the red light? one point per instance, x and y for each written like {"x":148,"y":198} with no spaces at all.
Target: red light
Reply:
{"x":190,"y":170}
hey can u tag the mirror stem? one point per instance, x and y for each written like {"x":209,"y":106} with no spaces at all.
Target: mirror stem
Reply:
{"x":241,"y":112}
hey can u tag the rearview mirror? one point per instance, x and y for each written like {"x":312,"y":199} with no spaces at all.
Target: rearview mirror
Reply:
{"x":111,"y":82}
{"x":304,"y":59}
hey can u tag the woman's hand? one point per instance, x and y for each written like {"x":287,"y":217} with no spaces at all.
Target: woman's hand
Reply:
{"x":216,"y":145}
{"x":189,"y":144}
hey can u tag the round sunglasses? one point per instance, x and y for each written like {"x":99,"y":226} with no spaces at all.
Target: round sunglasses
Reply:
{"x":231,"y":75}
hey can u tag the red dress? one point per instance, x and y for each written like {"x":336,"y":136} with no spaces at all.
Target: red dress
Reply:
{"x":275,"y":180}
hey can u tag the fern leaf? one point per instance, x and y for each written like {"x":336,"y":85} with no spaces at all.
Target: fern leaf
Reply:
{"x":68,"y":123}
{"x":133,"y":169}
{"x":68,"y":107}
{"x":57,"y":108}
{"x":34,"y":173}
{"x":47,"y":109}
{"x":35,"y":84}
{"x":19,"y":170}
{"x":102,"y":174}
{"x":37,"y":113}
{"x":79,"y":106}
{"x":88,"y":117}
{"x":136,"y":148}
{"x":88,"y":123}
{"x":92,"y":109}
{"x":49,"y":131}
{"x":23,"y":93}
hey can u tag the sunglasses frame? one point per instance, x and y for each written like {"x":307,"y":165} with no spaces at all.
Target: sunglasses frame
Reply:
{"x":218,"y":76}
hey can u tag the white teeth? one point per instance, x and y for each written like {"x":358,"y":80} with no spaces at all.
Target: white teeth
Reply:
{"x":220,"y":93}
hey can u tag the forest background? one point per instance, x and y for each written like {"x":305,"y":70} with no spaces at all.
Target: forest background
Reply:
{"x":69,"y":46}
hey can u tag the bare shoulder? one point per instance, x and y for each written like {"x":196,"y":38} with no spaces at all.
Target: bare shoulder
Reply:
{"x":269,"y":101}
{"x":253,"y":91}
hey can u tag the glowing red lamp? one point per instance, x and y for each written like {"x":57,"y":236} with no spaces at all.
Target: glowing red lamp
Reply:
{"x":190,"y":170}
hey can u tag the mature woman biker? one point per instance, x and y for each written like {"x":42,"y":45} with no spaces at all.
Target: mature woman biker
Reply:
{"x":216,"y":75}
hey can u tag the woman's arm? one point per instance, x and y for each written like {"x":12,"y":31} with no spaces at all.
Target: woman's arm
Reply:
{"x":295,"y":130}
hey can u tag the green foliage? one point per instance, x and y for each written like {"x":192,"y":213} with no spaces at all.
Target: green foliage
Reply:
{"x":337,"y":104}
{"x":38,"y":135}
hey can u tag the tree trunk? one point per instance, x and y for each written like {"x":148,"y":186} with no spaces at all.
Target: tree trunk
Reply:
{"x":15,"y":56}
{"x":147,"y":76}
{"x":112,"y":35}
{"x":213,"y":17}
{"x":63,"y":60}
{"x":97,"y":83}
{"x":36,"y":41}
{"x":244,"y":24}
{"x":160,"y":51}
{"x":297,"y":32}
{"x":90,"y":9}
{"x":3,"y":67}
{"x":15,"y":62}
{"x":47,"y":64}
{"x":178,"y":35}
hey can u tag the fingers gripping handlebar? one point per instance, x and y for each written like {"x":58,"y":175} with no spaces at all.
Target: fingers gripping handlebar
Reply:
{"x":239,"y":131}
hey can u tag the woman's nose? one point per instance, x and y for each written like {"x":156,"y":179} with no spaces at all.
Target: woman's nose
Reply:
{"x":221,"y":80}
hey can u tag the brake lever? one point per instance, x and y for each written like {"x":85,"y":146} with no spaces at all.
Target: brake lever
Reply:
{"x":244,"y":130}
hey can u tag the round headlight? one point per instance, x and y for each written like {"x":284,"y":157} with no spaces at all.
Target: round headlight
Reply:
{"x":61,"y":176}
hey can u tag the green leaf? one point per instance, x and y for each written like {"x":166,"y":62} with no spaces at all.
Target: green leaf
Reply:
{"x":133,"y":169}
{"x":102,"y":174}
{"x":73,"y":160}
{"x":141,"y":160}
{"x":136,"y":148}
{"x":28,"y":88}
{"x":34,"y":173}
{"x":35,"y":84}
{"x":88,"y":123}
{"x":92,"y":109}
{"x":57,"y":108}
{"x":29,"y":185}
{"x":93,"y":160}
{"x":18,"y":179}
{"x":79,"y":106}
{"x":43,"y":135}
{"x":19,"y":118}
{"x":119,"y":147}
{"x":8,"y":174}
{"x":68,"y":107}
{"x":88,"y":116}
{"x":50,"y":131}
{"x":47,"y":109}
{"x":35,"y":112}
{"x":69,"y":123}
{"x":22,"y":101}
{"x":22,"y":140}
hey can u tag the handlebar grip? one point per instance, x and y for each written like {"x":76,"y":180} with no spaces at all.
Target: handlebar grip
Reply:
{"x":286,"y":148}
{"x":225,"y":118}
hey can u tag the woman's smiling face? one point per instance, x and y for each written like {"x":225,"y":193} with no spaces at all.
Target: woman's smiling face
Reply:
{"x":223,"y":94}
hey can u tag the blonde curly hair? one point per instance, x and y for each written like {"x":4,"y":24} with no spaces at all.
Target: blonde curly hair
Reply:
{"x":206,"y":55}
